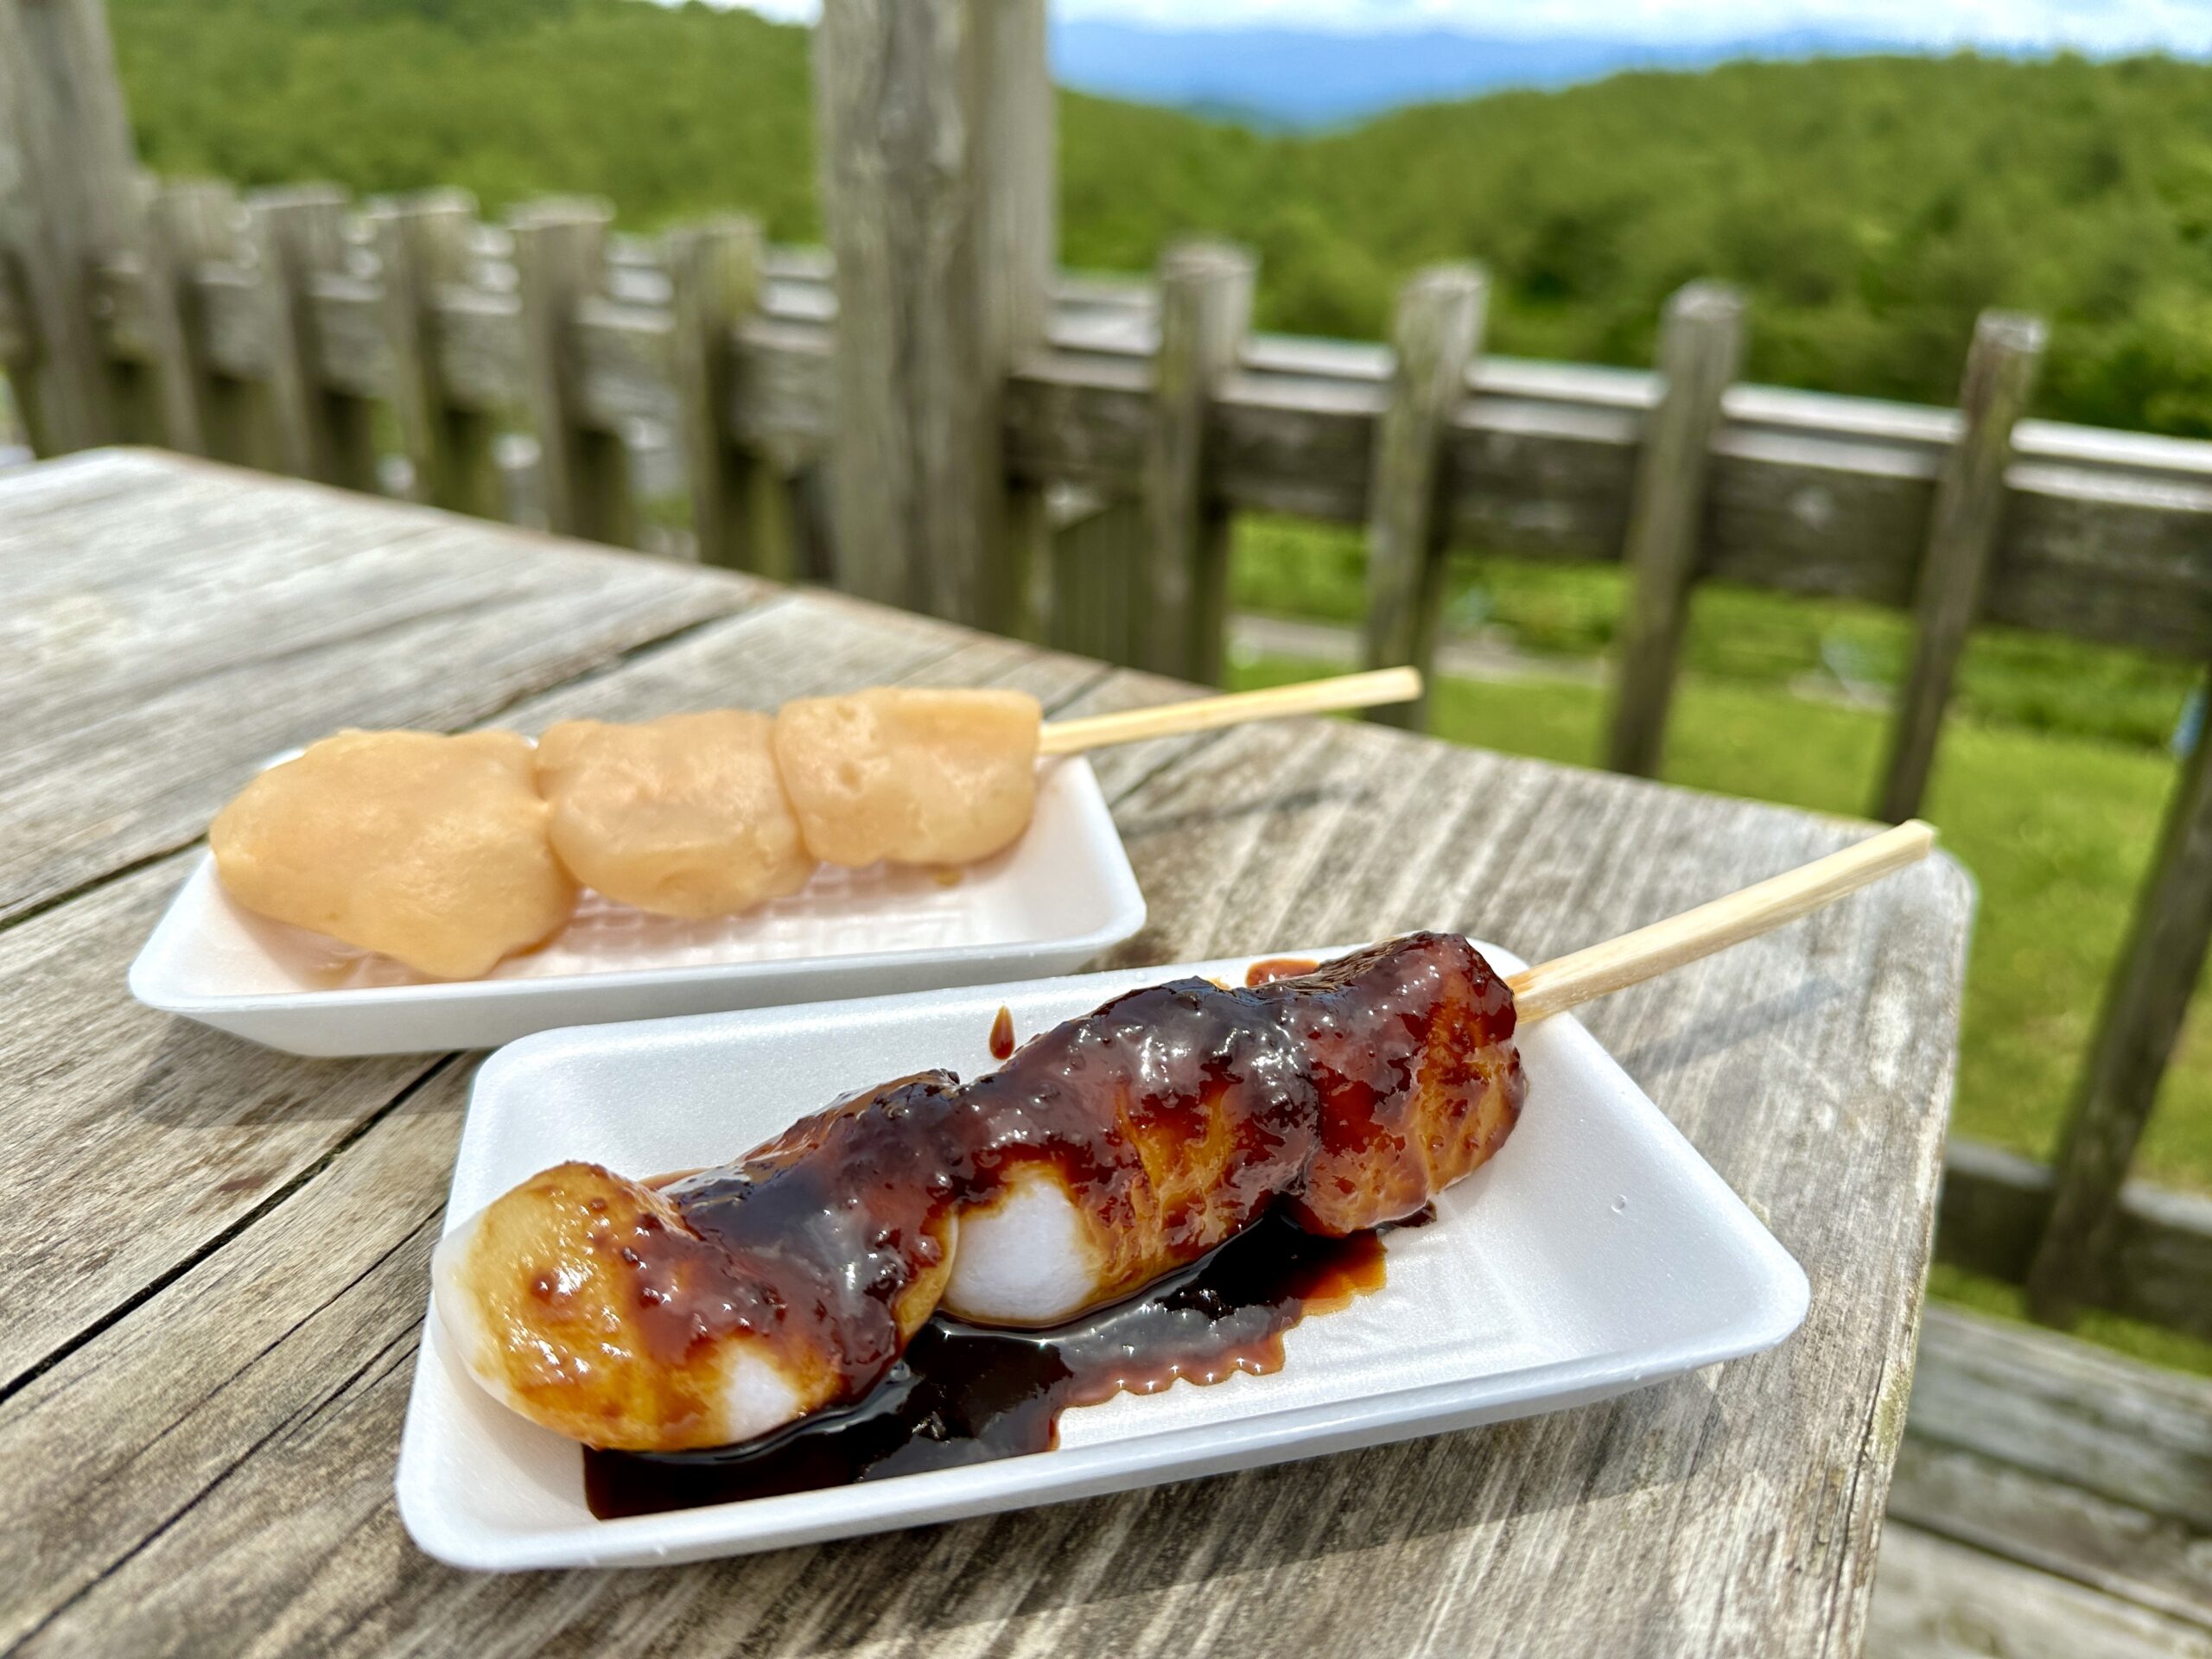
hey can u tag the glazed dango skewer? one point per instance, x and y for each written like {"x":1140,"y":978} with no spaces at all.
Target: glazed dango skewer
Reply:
{"x":1109,"y":1150}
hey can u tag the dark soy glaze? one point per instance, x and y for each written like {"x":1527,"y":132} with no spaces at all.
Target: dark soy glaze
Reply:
{"x":1002,"y":1035}
{"x":1344,"y":1099}
{"x":1274,"y":967}
{"x":962,"y":1395}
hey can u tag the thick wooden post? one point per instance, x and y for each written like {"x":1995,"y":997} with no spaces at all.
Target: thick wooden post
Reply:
{"x":935,"y":138}
{"x":1962,"y":536}
{"x":423,"y":245}
{"x":1205,"y":308}
{"x":190,"y":225}
{"x":714,"y":270}
{"x":299,"y":232}
{"x":71,"y":205}
{"x":560,"y":261}
{"x":1700,"y":342}
{"x":1434,"y":338}
{"x":2145,"y":1003}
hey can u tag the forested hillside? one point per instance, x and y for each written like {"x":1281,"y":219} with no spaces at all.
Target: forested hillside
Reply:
{"x":1871,"y":205}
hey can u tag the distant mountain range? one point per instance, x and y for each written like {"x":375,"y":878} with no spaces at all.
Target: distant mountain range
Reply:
{"x":1303,"y":78}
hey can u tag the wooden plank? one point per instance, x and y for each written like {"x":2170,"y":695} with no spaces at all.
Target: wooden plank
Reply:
{"x":2000,"y":375}
{"x":1646,"y":1523}
{"x":560,"y":260}
{"x":2145,"y":1003}
{"x":1205,"y":306}
{"x":188,"y":224}
{"x":1701,"y":343}
{"x":73,"y":202}
{"x":1434,"y":338}
{"x":172,"y":624}
{"x":345,"y":1187}
{"x":2151,"y":1561}
{"x":1996,"y":1204}
{"x":424,"y":247}
{"x":935,"y":146}
{"x":738,"y":514}
{"x":2134,"y":1434}
{"x":1940,"y":1600}
{"x":299,"y":235}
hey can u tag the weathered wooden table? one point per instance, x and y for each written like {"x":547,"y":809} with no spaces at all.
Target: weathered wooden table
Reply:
{"x":216,"y":1256}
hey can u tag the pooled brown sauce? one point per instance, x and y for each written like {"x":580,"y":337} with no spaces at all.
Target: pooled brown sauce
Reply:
{"x":1002,"y":1035}
{"x":964,"y":1395}
{"x":1274,"y":967}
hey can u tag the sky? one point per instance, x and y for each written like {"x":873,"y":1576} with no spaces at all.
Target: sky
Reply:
{"x":2090,"y":25}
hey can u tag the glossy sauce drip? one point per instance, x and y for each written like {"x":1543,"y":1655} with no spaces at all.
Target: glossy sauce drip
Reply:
{"x":1274,"y":967}
{"x":1168,"y":1121}
{"x":1002,"y":1035}
{"x":962,"y":1395}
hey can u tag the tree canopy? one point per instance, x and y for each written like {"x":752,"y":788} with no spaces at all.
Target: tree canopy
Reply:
{"x":1870,"y":207}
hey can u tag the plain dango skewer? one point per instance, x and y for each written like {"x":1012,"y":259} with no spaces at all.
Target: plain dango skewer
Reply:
{"x":1109,"y":1150}
{"x":450,"y":854}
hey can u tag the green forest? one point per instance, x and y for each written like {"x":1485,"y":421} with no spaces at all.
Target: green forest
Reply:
{"x":1870,"y":207}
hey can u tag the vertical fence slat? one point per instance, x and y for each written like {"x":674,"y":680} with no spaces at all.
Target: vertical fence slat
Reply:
{"x":423,"y":245}
{"x":72,"y":204}
{"x":299,"y":233}
{"x":1962,"y":536}
{"x":1205,"y":306}
{"x":936,"y":152}
{"x":1434,"y":337}
{"x":713,"y":272}
{"x":560,"y":260}
{"x":191,"y":223}
{"x":1700,"y":342}
{"x":2146,"y":1000}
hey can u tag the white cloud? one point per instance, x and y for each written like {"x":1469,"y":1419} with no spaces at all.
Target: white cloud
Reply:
{"x":2093,"y":25}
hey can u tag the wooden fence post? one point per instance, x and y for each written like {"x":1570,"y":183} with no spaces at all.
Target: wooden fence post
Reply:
{"x":71,"y":205}
{"x":1962,"y":536}
{"x":934,"y":122}
{"x":189,"y":224}
{"x":560,"y":261}
{"x":2145,"y":1003}
{"x":1205,"y":308}
{"x":298,"y":232}
{"x":1434,"y":338}
{"x":423,"y":244}
{"x":1700,"y":342}
{"x":714,"y":271}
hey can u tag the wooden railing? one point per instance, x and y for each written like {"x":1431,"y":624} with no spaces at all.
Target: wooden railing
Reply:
{"x":931,"y":415}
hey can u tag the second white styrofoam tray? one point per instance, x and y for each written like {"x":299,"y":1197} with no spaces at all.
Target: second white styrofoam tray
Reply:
{"x":1597,"y":1253}
{"x":1048,"y":904}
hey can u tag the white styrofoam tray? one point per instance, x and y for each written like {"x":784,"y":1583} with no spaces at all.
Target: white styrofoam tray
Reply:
{"x":1598,"y":1252}
{"x":1048,"y":904}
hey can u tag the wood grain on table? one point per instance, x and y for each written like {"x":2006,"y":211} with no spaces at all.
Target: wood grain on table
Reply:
{"x":218,"y":1272}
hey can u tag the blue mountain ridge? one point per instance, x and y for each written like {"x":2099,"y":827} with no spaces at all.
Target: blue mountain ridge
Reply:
{"x":1279,"y":77}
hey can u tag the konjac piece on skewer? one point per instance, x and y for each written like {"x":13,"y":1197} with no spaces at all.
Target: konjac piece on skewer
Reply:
{"x":431,"y":849}
{"x":1109,"y":1150}
{"x":914,"y":776}
{"x":685,"y":815}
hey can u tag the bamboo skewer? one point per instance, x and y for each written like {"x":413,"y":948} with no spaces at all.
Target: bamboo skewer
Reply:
{"x":1369,"y":691}
{"x":1566,"y":981}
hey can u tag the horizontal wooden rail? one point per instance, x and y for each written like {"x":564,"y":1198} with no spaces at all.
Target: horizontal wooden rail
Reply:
{"x":1808,"y":493}
{"x":1994,"y":1207}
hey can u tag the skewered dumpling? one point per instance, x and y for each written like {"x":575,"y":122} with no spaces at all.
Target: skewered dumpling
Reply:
{"x":916,"y":777}
{"x":431,"y":849}
{"x":682,"y":816}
